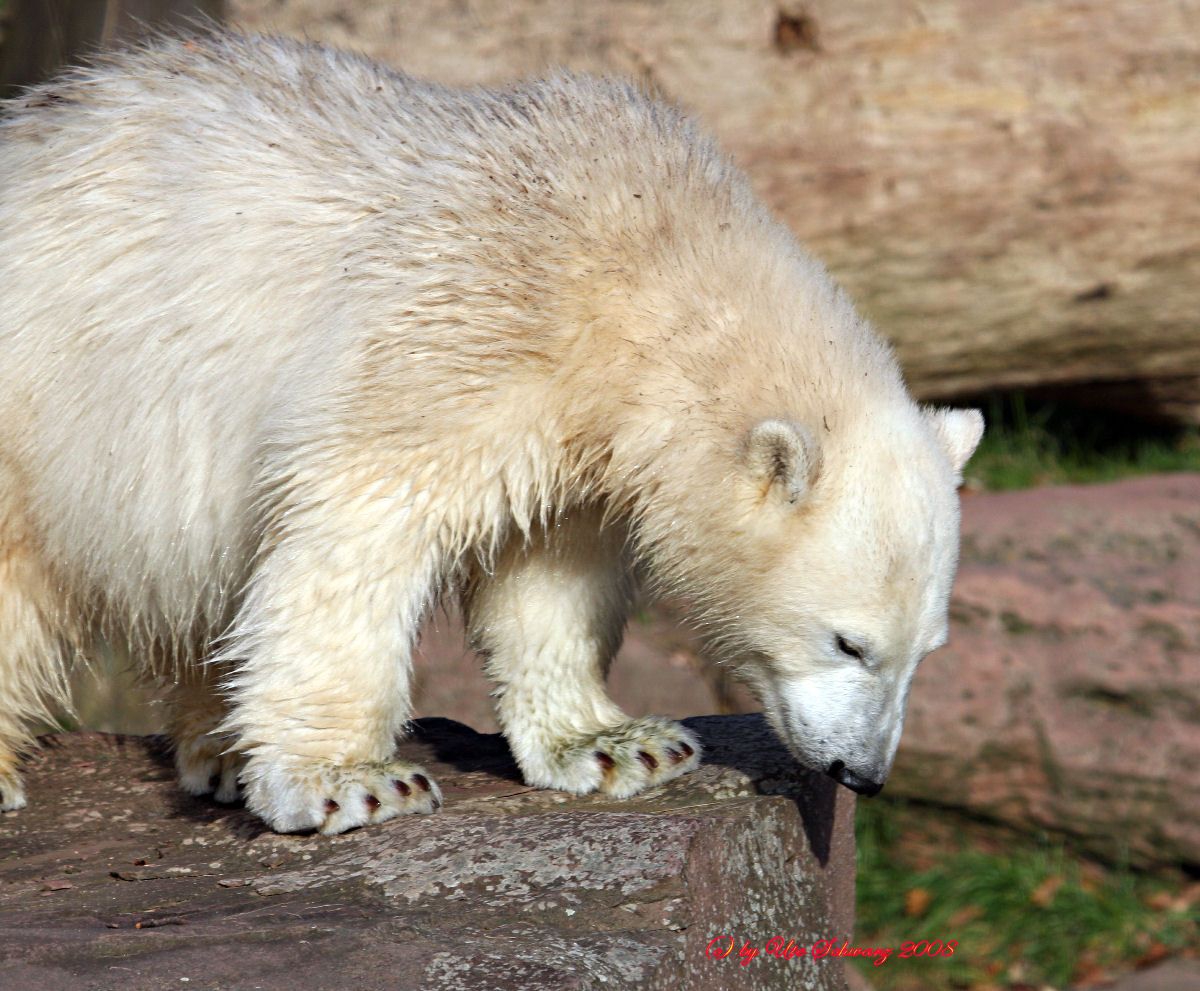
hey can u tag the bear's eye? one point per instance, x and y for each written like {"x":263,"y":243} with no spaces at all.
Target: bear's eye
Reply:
{"x":849,"y":649}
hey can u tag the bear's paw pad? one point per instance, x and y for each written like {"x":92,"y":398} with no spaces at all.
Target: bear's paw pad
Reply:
{"x":625,"y":759}
{"x":295,"y":796}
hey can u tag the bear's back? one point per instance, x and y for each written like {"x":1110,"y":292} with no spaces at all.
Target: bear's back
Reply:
{"x":199,"y":238}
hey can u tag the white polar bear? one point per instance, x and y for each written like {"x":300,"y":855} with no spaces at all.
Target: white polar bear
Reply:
{"x":294,"y":345}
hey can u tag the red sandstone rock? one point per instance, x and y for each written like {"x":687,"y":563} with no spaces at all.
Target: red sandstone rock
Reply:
{"x":505,"y":888}
{"x":1069,"y":696}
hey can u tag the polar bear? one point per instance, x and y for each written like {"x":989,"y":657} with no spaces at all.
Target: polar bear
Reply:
{"x":295,"y":346}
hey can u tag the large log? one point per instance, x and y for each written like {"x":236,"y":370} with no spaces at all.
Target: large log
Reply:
{"x":39,"y":36}
{"x":1008,"y":187}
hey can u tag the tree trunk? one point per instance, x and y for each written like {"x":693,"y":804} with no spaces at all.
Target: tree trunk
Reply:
{"x":41,"y":35}
{"x":1007,"y":187}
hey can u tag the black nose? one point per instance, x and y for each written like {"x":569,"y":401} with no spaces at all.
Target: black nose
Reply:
{"x":843,"y":775}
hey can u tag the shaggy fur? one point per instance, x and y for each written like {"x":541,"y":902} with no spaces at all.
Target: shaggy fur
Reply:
{"x":295,"y":344}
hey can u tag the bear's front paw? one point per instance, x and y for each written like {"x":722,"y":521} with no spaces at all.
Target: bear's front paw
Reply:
{"x":621,"y":760}
{"x":293,"y":795}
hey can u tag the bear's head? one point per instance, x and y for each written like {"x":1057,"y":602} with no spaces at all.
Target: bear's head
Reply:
{"x":824,"y":572}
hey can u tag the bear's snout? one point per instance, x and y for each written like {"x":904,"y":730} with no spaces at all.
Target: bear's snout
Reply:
{"x":855,"y":782}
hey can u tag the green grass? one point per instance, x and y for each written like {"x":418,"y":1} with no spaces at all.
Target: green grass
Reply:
{"x":1031,"y":443}
{"x":1023,"y":911}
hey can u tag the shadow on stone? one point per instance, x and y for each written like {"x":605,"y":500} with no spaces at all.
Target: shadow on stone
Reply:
{"x":747,"y":745}
{"x":466,"y":749}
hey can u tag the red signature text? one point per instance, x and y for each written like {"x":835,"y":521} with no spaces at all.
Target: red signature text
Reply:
{"x":724,"y":947}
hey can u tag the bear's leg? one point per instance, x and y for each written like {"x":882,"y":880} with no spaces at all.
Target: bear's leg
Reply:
{"x":31,"y":657}
{"x":549,"y":618}
{"x":196,"y":709}
{"x":321,"y":651}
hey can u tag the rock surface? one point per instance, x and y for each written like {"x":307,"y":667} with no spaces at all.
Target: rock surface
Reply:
{"x":1006,"y":186}
{"x":113,"y":879}
{"x":1174,"y":975}
{"x":1069,"y":695}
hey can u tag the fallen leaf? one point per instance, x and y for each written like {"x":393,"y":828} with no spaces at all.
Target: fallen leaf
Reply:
{"x":1090,"y":975}
{"x":964,"y":916}
{"x":917,"y":902}
{"x":1153,"y":955}
{"x":1044,"y":893}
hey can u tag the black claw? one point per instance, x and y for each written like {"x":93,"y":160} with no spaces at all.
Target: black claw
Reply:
{"x":687,"y":751}
{"x":401,"y":787}
{"x":648,"y":760}
{"x":372,"y":802}
{"x":331,"y":806}
{"x":422,"y":782}
{"x":606,"y":763}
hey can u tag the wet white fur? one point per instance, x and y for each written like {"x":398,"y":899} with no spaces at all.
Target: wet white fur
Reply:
{"x":294,"y":344}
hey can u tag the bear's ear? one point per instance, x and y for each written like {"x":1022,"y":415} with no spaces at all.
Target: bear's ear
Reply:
{"x":959,"y":432}
{"x":783,"y":456}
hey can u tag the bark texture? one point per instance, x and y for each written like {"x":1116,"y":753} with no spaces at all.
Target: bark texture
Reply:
{"x":38,"y":36}
{"x":1008,"y":187}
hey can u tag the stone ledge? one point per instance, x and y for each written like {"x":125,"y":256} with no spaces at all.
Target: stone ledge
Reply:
{"x":114,"y":879}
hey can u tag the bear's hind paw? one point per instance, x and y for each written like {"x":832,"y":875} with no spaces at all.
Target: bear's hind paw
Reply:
{"x":295,"y":796}
{"x":622,"y":760}
{"x":12,"y":791}
{"x":204,"y":768}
